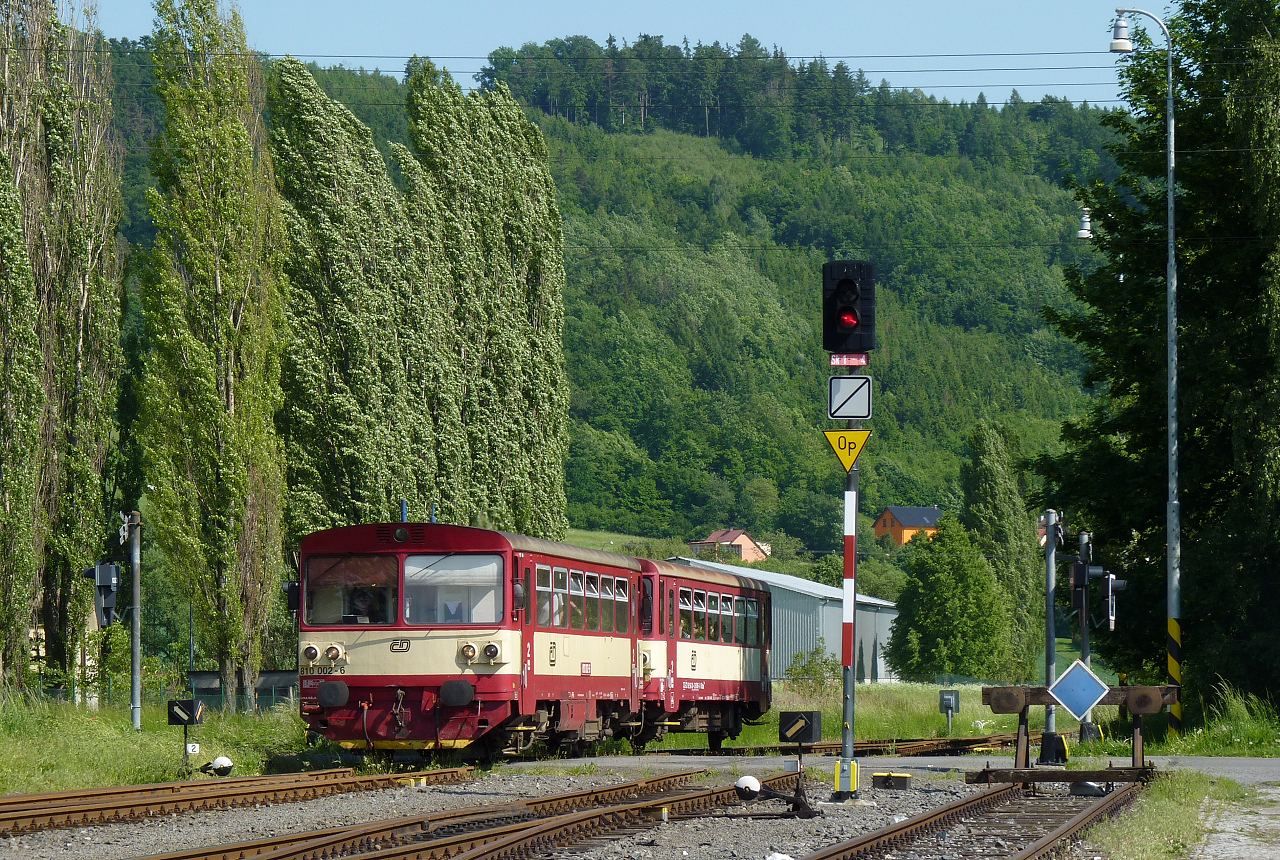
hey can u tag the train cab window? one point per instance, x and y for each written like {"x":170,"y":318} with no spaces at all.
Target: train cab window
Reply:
{"x":453,"y":588}
{"x":713,"y":618}
{"x":351,"y":589}
{"x":593,"y":602}
{"x":686,"y":614}
{"x":753,"y":622}
{"x":560,"y":611}
{"x":544,"y":595}
{"x":700,"y":615}
{"x":740,"y":620}
{"x":621,"y":606}
{"x":726,"y":618}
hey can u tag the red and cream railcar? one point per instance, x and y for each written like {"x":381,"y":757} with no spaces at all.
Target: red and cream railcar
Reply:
{"x":704,"y":652}
{"x":425,"y":636}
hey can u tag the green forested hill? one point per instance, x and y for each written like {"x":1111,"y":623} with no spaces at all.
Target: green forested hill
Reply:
{"x":699,"y":383}
{"x":693,"y":255}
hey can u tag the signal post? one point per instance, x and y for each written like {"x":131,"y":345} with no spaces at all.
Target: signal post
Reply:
{"x":848,"y":333}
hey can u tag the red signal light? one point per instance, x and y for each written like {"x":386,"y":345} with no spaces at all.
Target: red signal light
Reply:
{"x":847,"y":319}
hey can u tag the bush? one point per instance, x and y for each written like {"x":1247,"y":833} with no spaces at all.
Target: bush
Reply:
{"x":813,"y":671}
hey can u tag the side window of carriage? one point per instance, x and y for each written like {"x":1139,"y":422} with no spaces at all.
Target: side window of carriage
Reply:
{"x":753,"y":622}
{"x":740,"y":620}
{"x":545,"y":595}
{"x":593,"y":602}
{"x":621,"y":605}
{"x":576,"y":589}
{"x":686,"y":613}
{"x":700,"y":615}
{"x":560,"y":597}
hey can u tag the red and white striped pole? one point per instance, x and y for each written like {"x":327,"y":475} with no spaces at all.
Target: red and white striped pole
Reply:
{"x":846,"y":776}
{"x":850,"y":571}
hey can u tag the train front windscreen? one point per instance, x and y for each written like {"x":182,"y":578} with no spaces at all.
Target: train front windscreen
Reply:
{"x":436,"y":589}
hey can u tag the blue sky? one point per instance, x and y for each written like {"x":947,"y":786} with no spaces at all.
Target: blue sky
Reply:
{"x":1054,"y":48}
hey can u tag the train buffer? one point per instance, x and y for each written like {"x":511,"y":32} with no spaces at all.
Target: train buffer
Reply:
{"x":1139,"y":701}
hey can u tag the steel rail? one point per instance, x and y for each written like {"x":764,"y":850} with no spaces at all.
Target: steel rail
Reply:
{"x":898,"y":746}
{"x":1052,"y":843}
{"x":94,"y":811}
{"x":332,"y":841}
{"x":532,"y":840}
{"x":74,"y":796}
{"x":905,"y":831}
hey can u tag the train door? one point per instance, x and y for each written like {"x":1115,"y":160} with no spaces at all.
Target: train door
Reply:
{"x":523,"y":619}
{"x":634,"y":609}
{"x":671,"y":628}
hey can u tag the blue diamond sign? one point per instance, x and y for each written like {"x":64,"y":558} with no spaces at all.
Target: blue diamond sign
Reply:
{"x":1078,"y":689}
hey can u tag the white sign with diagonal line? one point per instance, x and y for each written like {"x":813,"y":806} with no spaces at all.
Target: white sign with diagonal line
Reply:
{"x":850,"y":398}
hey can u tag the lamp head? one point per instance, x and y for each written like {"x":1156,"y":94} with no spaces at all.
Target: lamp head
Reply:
{"x":1120,"y":41}
{"x":1086,"y":224}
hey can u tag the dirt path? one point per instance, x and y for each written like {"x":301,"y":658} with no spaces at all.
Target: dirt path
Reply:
{"x":1239,"y":832}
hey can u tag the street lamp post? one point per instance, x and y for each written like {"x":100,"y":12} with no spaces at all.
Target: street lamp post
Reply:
{"x":1121,"y":44}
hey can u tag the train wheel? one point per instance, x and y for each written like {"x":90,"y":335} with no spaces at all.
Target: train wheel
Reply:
{"x":715,"y":740}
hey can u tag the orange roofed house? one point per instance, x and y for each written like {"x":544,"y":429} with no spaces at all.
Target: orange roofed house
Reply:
{"x":902,"y":522}
{"x":730,"y":543}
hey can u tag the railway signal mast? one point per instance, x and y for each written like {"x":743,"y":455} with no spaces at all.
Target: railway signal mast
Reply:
{"x":848,"y":334}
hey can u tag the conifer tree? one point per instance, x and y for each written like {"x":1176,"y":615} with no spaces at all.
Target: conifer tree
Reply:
{"x":211,"y":305}
{"x":1113,"y":473}
{"x":952,"y":619}
{"x":1002,"y":529}
{"x":55,"y":133}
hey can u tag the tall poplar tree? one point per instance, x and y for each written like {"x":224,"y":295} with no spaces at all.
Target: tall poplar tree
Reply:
{"x":55,"y":114}
{"x":1004,"y":532}
{"x":371,"y":373}
{"x":480,"y":190}
{"x":20,"y":405}
{"x":213,"y":320}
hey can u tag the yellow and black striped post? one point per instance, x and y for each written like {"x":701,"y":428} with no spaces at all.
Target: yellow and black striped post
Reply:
{"x":1174,"y":646}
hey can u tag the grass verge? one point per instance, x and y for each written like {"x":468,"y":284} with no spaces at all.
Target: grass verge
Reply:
{"x":51,"y":746}
{"x":1160,"y":825}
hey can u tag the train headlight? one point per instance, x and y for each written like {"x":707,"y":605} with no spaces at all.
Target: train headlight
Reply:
{"x":491,"y":651}
{"x":468,"y":652}
{"x":333,"y":652}
{"x":311,"y":653}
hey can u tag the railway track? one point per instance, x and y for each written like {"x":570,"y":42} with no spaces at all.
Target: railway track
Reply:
{"x":491,"y":831}
{"x":26,"y":813}
{"x":1010,"y":822}
{"x":896,"y":746}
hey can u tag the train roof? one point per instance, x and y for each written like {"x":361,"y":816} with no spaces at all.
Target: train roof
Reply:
{"x":453,"y":538}
{"x":701,"y":574}
{"x":524,"y":543}
{"x":776,"y":581}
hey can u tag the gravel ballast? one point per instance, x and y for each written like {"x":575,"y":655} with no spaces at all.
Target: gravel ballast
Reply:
{"x":738,"y":832}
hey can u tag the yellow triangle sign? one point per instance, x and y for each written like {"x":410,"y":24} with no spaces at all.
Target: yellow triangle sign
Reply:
{"x":847,"y":444}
